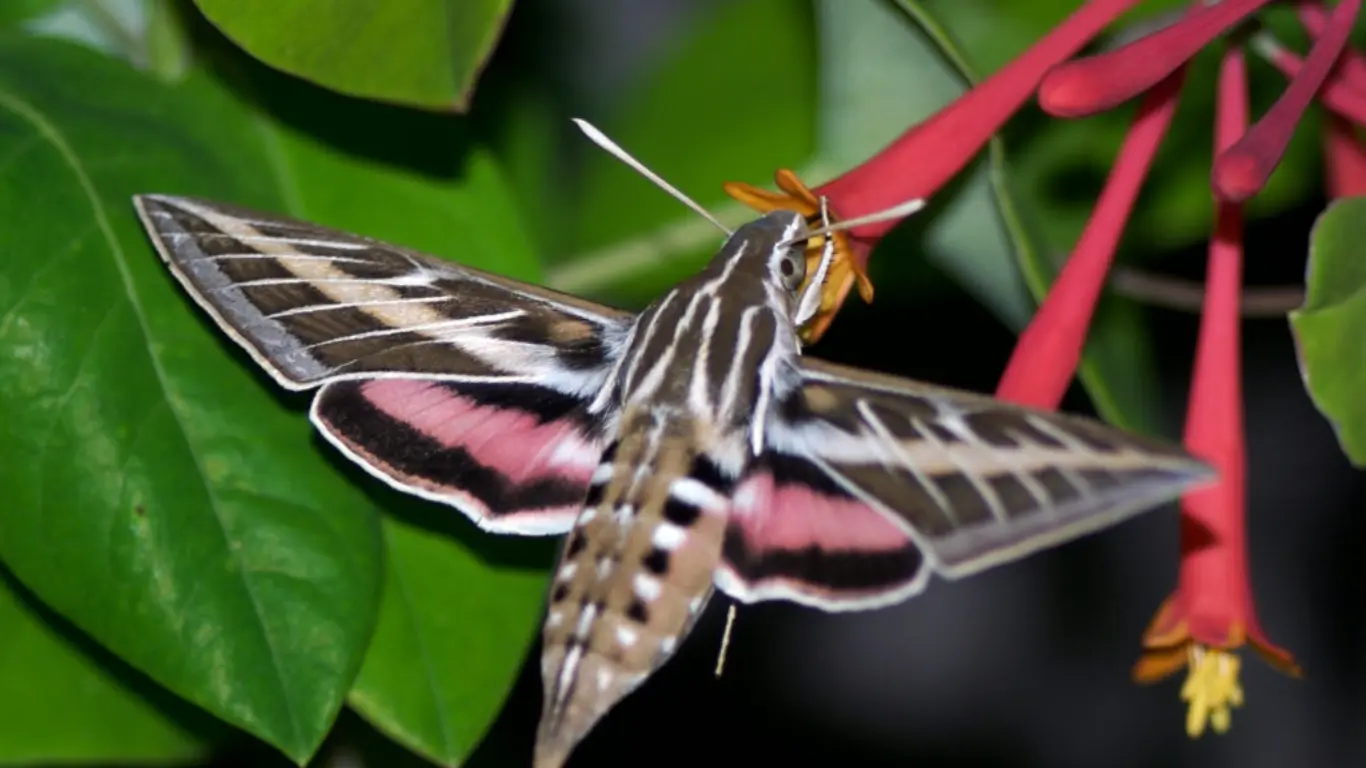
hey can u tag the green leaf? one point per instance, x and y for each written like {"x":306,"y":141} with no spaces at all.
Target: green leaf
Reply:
{"x":974,"y":232}
{"x":165,"y":498}
{"x":453,"y":630}
{"x":78,"y":703}
{"x":732,"y":102}
{"x":159,"y":496}
{"x":421,"y":53}
{"x":1330,"y":329}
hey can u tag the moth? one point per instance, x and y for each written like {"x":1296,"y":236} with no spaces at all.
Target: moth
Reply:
{"x":682,"y":449}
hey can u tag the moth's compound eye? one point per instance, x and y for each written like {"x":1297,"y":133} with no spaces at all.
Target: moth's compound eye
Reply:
{"x":792,"y":268}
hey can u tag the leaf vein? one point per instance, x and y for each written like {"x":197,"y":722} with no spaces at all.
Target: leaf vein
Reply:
{"x":54,"y":136}
{"x":62,"y":402}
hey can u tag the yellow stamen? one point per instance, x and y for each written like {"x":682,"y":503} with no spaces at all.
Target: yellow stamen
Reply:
{"x":1211,"y":689}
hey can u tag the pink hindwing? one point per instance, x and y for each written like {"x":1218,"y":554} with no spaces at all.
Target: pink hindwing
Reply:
{"x":514,"y":458}
{"x":795,"y":535}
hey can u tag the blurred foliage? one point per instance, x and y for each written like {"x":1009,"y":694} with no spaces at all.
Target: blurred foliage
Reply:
{"x":184,"y":558}
{"x":704,"y":110}
{"x":16,"y":11}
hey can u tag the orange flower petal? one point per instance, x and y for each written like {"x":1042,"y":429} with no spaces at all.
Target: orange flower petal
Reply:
{"x":1158,"y":663}
{"x":764,"y":201}
{"x":1279,"y":658}
{"x":1168,"y":627}
{"x":788,"y":182}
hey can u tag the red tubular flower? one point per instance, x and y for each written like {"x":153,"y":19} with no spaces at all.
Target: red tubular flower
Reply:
{"x":1344,"y":159}
{"x":1336,"y":93}
{"x":1352,"y":65}
{"x":1242,"y":170}
{"x":1211,"y":612}
{"x":1102,"y":82}
{"x":921,"y":160}
{"x":1050,"y":347}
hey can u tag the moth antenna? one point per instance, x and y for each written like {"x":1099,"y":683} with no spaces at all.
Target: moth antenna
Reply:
{"x":612,"y":147}
{"x":725,"y":640}
{"x":898,"y":211}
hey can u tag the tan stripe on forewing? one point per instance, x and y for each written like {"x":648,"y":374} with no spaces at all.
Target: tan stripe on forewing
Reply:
{"x":982,"y":459}
{"x":326,"y":278}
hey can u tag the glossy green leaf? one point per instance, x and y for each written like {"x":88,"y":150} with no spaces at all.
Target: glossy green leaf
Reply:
{"x":732,"y":102}
{"x":974,"y":231}
{"x":157,"y":494}
{"x":422,"y":53}
{"x":70,"y":701}
{"x":160,"y":492}
{"x":1330,"y":329}
{"x":444,"y":656}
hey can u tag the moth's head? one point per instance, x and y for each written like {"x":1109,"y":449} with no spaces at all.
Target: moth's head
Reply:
{"x":773,"y":245}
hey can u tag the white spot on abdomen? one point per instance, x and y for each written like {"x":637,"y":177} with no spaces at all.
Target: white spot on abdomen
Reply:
{"x":647,"y":587}
{"x":586,"y":617}
{"x":601,"y":475}
{"x":692,"y":491}
{"x":567,"y":670}
{"x":669,"y":537}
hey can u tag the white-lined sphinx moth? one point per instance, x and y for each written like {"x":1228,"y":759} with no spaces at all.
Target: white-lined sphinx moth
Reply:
{"x":685,"y":447}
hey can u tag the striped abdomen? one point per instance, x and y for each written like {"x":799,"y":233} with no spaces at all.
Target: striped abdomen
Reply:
{"x":636,"y":571}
